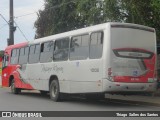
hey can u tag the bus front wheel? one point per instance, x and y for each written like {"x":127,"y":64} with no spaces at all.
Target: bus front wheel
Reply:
{"x":54,"y":91}
{"x":14,"y":90}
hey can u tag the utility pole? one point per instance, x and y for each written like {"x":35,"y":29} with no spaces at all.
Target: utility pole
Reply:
{"x":11,"y":25}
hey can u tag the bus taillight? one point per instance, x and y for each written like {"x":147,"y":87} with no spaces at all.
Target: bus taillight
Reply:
{"x":110,"y":76}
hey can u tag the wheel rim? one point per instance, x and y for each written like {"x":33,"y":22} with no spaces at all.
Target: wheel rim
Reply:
{"x":54,"y":90}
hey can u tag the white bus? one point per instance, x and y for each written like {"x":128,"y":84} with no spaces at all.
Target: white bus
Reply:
{"x":116,"y":58}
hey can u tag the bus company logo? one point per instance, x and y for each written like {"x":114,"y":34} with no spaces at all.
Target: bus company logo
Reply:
{"x":6,"y":114}
{"x":135,"y":73}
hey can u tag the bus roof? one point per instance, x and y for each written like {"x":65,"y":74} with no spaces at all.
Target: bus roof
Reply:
{"x":91,"y":29}
{"x":71,"y":33}
{"x":82,"y":31}
{"x":16,"y":45}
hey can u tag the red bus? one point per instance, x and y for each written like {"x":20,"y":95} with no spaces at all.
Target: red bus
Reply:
{"x":9,"y":73}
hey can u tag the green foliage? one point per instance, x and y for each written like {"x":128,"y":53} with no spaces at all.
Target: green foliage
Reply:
{"x":90,"y":12}
{"x":58,"y":16}
{"x":65,"y":15}
{"x":155,"y":4}
{"x":144,"y":12}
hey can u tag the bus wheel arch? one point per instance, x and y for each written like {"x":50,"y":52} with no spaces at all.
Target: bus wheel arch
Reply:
{"x":53,"y":77}
{"x":14,"y":90}
{"x":54,"y":89}
{"x":11,"y":78}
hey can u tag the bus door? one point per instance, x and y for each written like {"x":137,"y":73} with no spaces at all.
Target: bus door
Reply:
{"x":5,"y":71}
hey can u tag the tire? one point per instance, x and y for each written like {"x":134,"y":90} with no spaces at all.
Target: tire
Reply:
{"x":54,"y":91}
{"x":14,"y":90}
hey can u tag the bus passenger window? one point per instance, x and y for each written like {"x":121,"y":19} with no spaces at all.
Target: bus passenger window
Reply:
{"x":79,"y":49}
{"x":46,"y":52}
{"x":61,"y":50}
{"x":23,"y":58}
{"x":34,"y":53}
{"x":15,"y":56}
{"x":96,"y":45}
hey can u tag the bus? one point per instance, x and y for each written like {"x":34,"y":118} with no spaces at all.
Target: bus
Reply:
{"x":0,"y":66}
{"x":114,"y":58}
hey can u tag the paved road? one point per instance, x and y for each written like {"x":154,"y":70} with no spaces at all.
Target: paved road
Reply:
{"x":33,"y":101}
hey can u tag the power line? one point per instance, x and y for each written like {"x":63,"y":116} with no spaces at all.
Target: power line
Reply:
{"x":24,"y":15}
{"x":4,"y":19}
{"x":21,"y":31}
{"x":27,"y":14}
{"x":15,"y":24}
{"x":53,"y":7}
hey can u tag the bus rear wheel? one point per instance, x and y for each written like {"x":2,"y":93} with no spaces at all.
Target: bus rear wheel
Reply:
{"x":14,"y":90}
{"x":54,"y":91}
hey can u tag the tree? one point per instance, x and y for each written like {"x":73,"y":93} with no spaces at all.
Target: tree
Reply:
{"x":90,"y":12}
{"x":62,"y":15}
{"x":113,"y":11}
{"x":58,"y":16}
{"x":144,"y":12}
{"x":156,"y":16}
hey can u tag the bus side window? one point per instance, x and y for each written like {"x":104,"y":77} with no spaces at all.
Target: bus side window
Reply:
{"x":34,"y":54}
{"x":46,"y":52}
{"x":15,"y":56}
{"x":23,"y":57}
{"x":61,"y":50}
{"x":96,"y":45}
{"x":79,"y":48}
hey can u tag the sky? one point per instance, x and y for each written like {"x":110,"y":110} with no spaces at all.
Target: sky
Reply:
{"x":25,"y":23}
